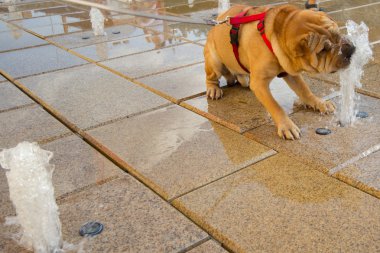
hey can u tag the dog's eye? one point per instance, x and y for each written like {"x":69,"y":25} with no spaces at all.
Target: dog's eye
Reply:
{"x":326,"y":47}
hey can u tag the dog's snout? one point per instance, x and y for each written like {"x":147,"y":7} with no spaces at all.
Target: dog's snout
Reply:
{"x":348,"y":49}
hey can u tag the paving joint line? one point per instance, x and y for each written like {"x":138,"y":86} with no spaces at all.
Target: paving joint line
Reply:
{"x":17,"y":107}
{"x":126,"y":117}
{"x":243,"y":166}
{"x":49,"y":15}
{"x":354,"y":159}
{"x":62,"y":198}
{"x":194,"y":245}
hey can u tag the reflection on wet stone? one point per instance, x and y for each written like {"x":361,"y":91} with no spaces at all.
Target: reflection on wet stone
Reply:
{"x":169,"y":141}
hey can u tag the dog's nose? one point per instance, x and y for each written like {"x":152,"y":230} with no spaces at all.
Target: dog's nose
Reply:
{"x":348,"y":49}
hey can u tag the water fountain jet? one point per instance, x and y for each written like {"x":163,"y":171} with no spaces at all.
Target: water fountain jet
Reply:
{"x":350,"y":77}
{"x":31,"y":191}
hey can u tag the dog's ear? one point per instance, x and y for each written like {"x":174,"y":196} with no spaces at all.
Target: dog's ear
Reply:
{"x":310,"y":43}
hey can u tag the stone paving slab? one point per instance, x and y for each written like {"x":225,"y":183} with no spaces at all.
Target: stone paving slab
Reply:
{"x":113,"y":33}
{"x":6,"y":27}
{"x":370,"y":80}
{"x":281,"y":205}
{"x":78,"y":165}
{"x":175,"y":151}
{"x":325,"y":152}
{"x":2,"y":78}
{"x":92,"y":95}
{"x":52,"y":20}
{"x":139,"y":222}
{"x":208,"y":247}
{"x":118,"y":48}
{"x":136,"y":66}
{"x":29,"y":6}
{"x":60,"y":29}
{"x":18,"y":39}
{"x":45,"y":12}
{"x":28,"y":124}
{"x":240,"y":110}
{"x":363,"y":174}
{"x":180,"y":83}
{"x":26,"y":62}
{"x":368,"y":15}
{"x":11,"y":97}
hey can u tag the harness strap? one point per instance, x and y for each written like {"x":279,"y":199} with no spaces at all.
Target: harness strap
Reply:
{"x":241,"y":18}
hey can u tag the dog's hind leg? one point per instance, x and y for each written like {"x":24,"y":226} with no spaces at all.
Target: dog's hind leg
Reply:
{"x":214,"y":68}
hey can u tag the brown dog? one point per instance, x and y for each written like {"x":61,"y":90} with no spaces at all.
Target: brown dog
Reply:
{"x":302,"y":41}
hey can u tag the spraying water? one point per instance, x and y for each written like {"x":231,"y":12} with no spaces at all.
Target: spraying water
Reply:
{"x":97,"y":21}
{"x":350,"y":77}
{"x":31,"y":190}
{"x":223,"y":5}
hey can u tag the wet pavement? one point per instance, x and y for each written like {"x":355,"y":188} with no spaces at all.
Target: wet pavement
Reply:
{"x":138,"y":146}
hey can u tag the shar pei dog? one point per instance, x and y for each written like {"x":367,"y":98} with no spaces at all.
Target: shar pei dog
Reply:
{"x":282,"y":41}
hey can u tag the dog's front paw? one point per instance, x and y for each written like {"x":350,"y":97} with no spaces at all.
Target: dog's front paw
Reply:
{"x":326,"y":107}
{"x":214,"y":92}
{"x":286,"y":129}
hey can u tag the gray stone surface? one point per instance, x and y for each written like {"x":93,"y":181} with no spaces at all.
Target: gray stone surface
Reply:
{"x":21,"y":63}
{"x":325,"y":151}
{"x":175,"y":151}
{"x":159,"y":60}
{"x":139,"y":222}
{"x":180,"y":83}
{"x":18,"y":39}
{"x":113,"y":49}
{"x":92,"y":95}
{"x":281,"y":205}
{"x":28,"y":124}
{"x":76,"y":39}
{"x":208,"y":247}
{"x":363,"y":174}
{"x":11,"y":97}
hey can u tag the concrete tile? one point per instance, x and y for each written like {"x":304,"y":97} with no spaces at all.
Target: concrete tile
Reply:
{"x":159,"y":60}
{"x":327,"y":151}
{"x":78,"y":165}
{"x":175,"y":151}
{"x":32,"y":63}
{"x":18,"y":39}
{"x":113,"y":49}
{"x":6,"y":27}
{"x":39,"y":13}
{"x":93,"y":95}
{"x":208,"y":247}
{"x":367,"y":14}
{"x":29,"y":6}
{"x":180,"y":83}
{"x":240,"y":110}
{"x":341,"y":5}
{"x":60,"y":29}
{"x":134,"y":218}
{"x":11,"y":97}
{"x":363,"y":174}
{"x":198,"y":10}
{"x":28,"y":124}
{"x":52,"y":20}
{"x":277,"y":201}
{"x":2,"y":78}
{"x":193,"y":32}
{"x":370,"y":80}
{"x":113,"y":33}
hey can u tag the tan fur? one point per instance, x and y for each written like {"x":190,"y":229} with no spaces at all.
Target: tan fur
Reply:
{"x":302,"y":40}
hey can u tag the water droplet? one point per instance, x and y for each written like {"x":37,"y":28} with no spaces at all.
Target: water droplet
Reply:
{"x":323,"y":131}
{"x":91,"y":228}
{"x":362,"y":114}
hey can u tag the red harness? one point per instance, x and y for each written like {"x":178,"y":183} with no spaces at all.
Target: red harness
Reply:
{"x":241,"y":18}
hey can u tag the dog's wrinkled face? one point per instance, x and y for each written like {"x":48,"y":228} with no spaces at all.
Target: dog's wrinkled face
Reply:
{"x":319,"y":47}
